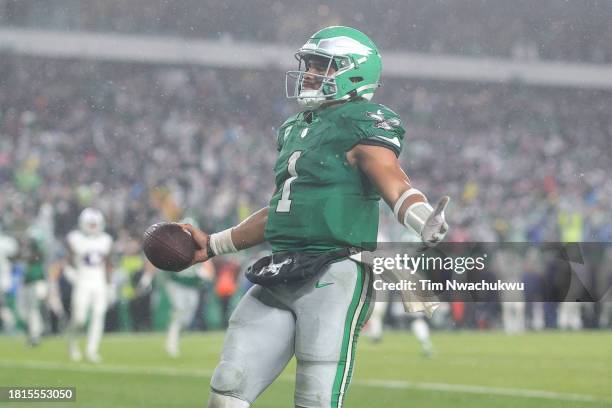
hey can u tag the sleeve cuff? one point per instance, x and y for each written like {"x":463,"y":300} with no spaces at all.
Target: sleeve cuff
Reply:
{"x":376,"y":142}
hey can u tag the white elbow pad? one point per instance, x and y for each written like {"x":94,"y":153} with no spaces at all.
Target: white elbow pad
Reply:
{"x":416,"y":214}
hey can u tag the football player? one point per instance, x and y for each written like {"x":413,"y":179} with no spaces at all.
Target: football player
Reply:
{"x":418,"y":324}
{"x":183,"y":289}
{"x":336,"y":159}
{"x":89,"y":250}
{"x":382,"y":300}
{"x":34,"y":289}
{"x":9,"y":247}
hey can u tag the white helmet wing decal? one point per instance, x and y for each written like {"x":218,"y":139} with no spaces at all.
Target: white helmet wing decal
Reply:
{"x":343,"y":45}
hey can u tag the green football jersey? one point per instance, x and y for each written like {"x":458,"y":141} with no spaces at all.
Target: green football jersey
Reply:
{"x":321,"y":202}
{"x":34,"y":268}
{"x":35,"y":271}
{"x":188,"y":277}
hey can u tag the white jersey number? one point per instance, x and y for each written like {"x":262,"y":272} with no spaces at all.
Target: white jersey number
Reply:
{"x":284,"y":204}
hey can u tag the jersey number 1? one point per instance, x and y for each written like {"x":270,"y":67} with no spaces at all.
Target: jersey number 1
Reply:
{"x":284,"y":204}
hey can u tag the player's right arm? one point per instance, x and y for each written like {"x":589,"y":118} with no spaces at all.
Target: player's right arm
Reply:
{"x":248,"y":233}
{"x":70,"y":259}
{"x":409,"y":205}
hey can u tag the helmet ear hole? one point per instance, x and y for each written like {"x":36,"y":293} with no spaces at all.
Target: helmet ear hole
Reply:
{"x":356,"y":79}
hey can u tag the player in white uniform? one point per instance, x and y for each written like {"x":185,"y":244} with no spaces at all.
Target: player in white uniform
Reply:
{"x":569,"y":316}
{"x":8,"y":248}
{"x":89,"y":249}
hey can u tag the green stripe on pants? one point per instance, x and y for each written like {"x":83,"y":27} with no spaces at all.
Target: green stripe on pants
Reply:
{"x":354,"y":319}
{"x":360,"y":322}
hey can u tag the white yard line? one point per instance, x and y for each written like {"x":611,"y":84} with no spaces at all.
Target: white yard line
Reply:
{"x":478,"y":389}
{"x":378,"y":383}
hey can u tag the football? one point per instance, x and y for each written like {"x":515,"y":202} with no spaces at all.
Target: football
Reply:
{"x":168,"y":246}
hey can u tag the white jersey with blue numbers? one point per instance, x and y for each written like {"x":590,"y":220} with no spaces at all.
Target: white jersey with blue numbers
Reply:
{"x":89,"y":256}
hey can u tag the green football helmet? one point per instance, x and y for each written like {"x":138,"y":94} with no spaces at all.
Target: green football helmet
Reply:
{"x":353,"y":68}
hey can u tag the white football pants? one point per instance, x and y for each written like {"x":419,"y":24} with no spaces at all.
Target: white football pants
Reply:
{"x":86,"y":299}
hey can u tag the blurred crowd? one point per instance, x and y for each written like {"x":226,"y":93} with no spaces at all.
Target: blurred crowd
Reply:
{"x":147,"y":143}
{"x":521,"y":163}
{"x":523,"y":29}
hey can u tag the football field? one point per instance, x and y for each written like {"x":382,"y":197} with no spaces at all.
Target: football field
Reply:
{"x":470,"y":369}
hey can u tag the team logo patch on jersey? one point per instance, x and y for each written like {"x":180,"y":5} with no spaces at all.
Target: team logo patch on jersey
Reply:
{"x":380,"y":122}
{"x":273,"y":269}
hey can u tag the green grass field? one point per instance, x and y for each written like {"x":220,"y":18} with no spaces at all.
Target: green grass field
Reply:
{"x":470,"y":370}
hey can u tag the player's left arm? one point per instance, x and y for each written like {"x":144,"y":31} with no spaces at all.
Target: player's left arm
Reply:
{"x":247,"y":234}
{"x":409,"y":205}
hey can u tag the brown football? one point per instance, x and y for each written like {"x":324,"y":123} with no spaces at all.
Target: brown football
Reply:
{"x":168,"y":246}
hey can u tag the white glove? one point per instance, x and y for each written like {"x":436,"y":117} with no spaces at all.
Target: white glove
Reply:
{"x":435,"y":227}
